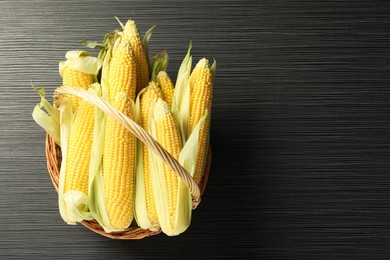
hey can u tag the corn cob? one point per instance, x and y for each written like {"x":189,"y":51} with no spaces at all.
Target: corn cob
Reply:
{"x":131,"y":33}
{"x":72,"y":77}
{"x":118,"y":167}
{"x":150,"y":95}
{"x":122,"y":70}
{"x":201,"y":89}
{"x":76,"y":133}
{"x":79,"y":149}
{"x":168,"y":136}
{"x":79,"y":70}
{"x":166,"y":86}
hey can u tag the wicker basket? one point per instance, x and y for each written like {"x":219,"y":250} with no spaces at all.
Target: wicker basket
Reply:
{"x":53,"y":155}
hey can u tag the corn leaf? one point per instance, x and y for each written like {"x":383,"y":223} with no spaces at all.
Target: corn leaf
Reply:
{"x":120,"y":23}
{"x":181,"y":96}
{"x":81,"y":61}
{"x":160,"y":63}
{"x":65,"y":122}
{"x":106,"y":66}
{"x":145,"y":43}
{"x":76,"y":203}
{"x":46,"y":122}
{"x":188,"y":161}
{"x":214,"y":68}
{"x":187,"y":158}
{"x":108,"y":39}
{"x":49,"y":120}
{"x":91,"y":44}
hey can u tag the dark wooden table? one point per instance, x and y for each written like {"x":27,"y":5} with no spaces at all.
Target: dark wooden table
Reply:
{"x":300,"y":127}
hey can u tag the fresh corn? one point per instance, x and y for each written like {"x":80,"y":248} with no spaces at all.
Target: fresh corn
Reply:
{"x":171,"y":195}
{"x":118,"y":167}
{"x":168,"y":136}
{"x":76,"y":130}
{"x":201,"y":91}
{"x":122,"y":75}
{"x":149,"y":95}
{"x":106,"y":174}
{"x":166,"y":86}
{"x":130,"y":32}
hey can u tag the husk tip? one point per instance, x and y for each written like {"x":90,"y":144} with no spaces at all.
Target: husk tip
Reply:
{"x":120,"y":23}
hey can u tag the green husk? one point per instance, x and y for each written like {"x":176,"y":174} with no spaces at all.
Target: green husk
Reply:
{"x":160,"y":191}
{"x":188,"y":161}
{"x":91,"y":44}
{"x":81,"y":61}
{"x":160,"y":63}
{"x":49,"y":120}
{"x":107,"y":54}
{"x":120,"y":23}
{"x":145,"y":43}
{"x":66,"y":115}
{"x":214,"y":68}
{"x":181,"y":96}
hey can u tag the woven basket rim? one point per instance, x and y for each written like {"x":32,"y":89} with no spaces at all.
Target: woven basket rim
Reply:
{"x":54,"y":158}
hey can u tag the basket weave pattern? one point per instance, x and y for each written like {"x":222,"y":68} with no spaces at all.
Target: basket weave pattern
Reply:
{"x":54,"y":158}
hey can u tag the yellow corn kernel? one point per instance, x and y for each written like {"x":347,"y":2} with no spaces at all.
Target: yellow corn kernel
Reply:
{"x":122,"y":75}
{"x":169,"y":137}
{"x":79,"y":149}
{"x":166,"y":86}
{"x":72,"y":77}
{"x":201,"y":91}
{"x":131,"y":33}
{"x":151,"y":94}
{"x":118,"y":167}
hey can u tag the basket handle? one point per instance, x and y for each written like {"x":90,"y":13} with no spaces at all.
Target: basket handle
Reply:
{"x":141,"y":134}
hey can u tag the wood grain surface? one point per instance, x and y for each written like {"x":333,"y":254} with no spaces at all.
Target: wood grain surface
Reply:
{"x":300,"y":127}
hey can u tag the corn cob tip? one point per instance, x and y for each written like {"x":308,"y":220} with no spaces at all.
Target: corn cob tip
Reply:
{"x":151,"y":86}
{"x":121,"y":96}
{"x":74,"y":54}
{"x":203,"y":63}
{"x":160,"y":55}
{"x":161,"y":110}
{"x":122,"y":43}
{"x":166,"y":86}
{"x":162,"y":74}
{"x":131,"y":28}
